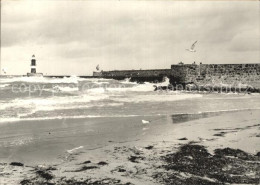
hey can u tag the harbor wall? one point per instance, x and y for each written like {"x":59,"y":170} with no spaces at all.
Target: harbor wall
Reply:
{"x":210,"y":74}
{"x":136,"y":73}
{"x":216,"y":73}
{"x":140,"y":76}
{"x":216,"y":77}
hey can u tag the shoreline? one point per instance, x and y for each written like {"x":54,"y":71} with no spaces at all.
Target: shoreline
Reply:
{"x":143,"y":161}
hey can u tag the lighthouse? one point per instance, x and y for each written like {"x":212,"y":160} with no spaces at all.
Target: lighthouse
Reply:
{"x":33,"y":68}
{"x":33,"y":64}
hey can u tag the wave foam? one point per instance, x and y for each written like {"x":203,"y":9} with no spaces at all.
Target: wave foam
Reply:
{"x":7,"y":120}
{"x":127,"y":81}
{"x":74,"y":149}
{"x":16,"y":119}
{"x":71,"y":79}
{"x":127,"y":86}
{"x":65,"y":89}
{"x":52,"y":102}
{"x":156,"y":98}
{"x":4,"y":85}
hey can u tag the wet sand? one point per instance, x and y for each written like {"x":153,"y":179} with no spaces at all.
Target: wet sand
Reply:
{"x":168,"y":150}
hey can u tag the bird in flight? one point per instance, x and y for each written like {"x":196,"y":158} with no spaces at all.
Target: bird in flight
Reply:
{"x":192,"y":47}
{"x":97,"y":67}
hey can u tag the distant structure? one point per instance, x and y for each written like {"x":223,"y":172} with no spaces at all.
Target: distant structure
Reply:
{"x":193,"y":74}
{"x":33,"y":64}
{"x":33,"y":68}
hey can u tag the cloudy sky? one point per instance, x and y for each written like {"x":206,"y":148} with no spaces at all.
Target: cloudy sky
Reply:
{"x":72,"y":37}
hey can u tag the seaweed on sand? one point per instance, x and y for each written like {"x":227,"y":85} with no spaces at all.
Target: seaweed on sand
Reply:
{"x":44,"y":174}
{"x":43,"y":177}
{"x":135,"y":159}
{"x":149,"y":147}
{"x":84,"y":168}
{"x":235,"y":153}
{"x":91,"y":182}
{"x":184,"y":138}
{"x":221,"y":134}
{"x":102,"y":163}
{"x":25,"y":182}
{"x":86,"y":162}
{"x":200,"y":167}
{"x":16,"y":164}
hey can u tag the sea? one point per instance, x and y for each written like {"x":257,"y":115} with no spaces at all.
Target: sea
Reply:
{"x":41,"y":115}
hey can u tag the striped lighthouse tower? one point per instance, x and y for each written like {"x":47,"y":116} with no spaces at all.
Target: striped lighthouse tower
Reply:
{"x":33,"y":64}
{"x":33,"y":68}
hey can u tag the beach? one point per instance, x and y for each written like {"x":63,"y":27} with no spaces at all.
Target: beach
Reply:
{"x":139,"y":159}
{"x":121,"y":132}
{"x":129,"y":92}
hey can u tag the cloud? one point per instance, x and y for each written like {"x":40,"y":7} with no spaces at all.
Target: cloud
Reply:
{"x":246,"y":41}
{"x":126,"y":34}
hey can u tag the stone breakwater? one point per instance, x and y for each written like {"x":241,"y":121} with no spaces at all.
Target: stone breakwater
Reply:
{"x":205,"y":77}
{"x":217,"y":77}
{"x":140,"y":76}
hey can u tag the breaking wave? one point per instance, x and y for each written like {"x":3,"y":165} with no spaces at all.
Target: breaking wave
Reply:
{"x":123,"y":86}
{"x":71,"y":79}
{"x":97,"y":97}
{"x":127,"y":81}
{"x":52,"y":102}
{"x":4,"y":85}
{"x":64,"y":89}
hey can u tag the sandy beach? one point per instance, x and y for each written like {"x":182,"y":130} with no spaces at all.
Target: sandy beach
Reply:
{"x":129,"y":92}
{"x":168,"y":150}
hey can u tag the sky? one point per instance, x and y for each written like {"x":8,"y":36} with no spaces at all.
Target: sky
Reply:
{"x":72,"y":37}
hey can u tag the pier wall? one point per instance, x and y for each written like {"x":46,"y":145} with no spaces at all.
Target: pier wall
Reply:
{"x":216,"y":73}
{"x":138,"y":75}
{"x":232,"y":74}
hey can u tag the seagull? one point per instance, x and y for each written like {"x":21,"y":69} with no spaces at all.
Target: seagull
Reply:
{"x":97,"y":67}
{"x":145,"y":121}
{"x":4,"y":70}
{"x":192,"y":47}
